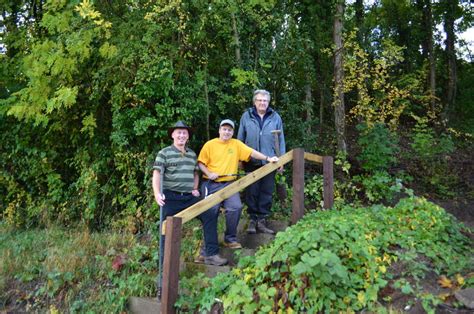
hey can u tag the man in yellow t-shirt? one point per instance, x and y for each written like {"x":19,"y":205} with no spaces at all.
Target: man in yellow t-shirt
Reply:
{"x":219,"y":160}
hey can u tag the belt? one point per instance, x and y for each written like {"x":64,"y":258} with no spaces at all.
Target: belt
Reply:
{"x":207,"y":180}
{"x":178,"y":193}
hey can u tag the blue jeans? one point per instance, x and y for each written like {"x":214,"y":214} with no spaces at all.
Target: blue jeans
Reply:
{"x":258,"y":196}
{"x":176,"y":202}
{"x":233,"y":208}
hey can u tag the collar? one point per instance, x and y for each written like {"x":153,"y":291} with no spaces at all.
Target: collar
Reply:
{"x":177,"y":150}
{"x":254,"y":112}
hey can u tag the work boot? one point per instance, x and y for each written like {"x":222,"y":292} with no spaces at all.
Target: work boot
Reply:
{"x":261,"y":227}
{"x":215,"y":260}
{"x":252,"y":228}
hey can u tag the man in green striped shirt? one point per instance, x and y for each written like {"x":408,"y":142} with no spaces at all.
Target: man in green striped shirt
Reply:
{"x":177,"y":166}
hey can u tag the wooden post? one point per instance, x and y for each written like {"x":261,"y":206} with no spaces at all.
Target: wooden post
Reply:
{"x":328,"y":182}
{"x":298,"y":185}
{"x":171,"y":265}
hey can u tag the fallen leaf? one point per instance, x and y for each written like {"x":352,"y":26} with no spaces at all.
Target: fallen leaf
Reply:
{"x":118,"y":262}
{"x":445,"y":282}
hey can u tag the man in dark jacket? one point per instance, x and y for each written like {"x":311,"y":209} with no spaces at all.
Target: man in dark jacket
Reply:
{"x":255,"y":130}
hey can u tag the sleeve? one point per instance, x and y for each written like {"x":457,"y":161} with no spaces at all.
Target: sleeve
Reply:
{"x":241,"y":134}
{"x":204,"y":154}
{"x":244,"y":151}
{"x":160,"y":161}
{"x":282,"y":138}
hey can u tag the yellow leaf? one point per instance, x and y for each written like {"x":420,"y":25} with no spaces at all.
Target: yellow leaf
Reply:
{"x":361,"y":297}
{"x":445,"y":282}
{"x":460,"y":279}
{"x":444,"y":296}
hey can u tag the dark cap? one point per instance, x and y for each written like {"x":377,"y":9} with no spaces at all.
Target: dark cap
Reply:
{"x":179,"y":125}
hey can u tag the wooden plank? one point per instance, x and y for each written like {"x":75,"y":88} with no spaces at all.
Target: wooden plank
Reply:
{"x":313,"y":157}
{"x":171,"y":265}
{"x":328,"y":182}
{"x":231,"y":189}
{"x":298,"y":185}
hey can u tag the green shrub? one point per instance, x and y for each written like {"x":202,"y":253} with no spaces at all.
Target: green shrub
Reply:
{"x":335,"y":261}
{"x":429,"y":158}
{"x":378,"y":147}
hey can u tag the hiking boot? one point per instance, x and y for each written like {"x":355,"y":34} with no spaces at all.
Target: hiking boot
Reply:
{"x":252,"y":228}
{"x":215,"y":260}
{"x":262,"y":227}
{"x":199,"y":259}
{"x":233,"y":245}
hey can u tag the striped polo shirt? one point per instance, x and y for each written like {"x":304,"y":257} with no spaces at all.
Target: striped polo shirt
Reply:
{"x":178,"y":167}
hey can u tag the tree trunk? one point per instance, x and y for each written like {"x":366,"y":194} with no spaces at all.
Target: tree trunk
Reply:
{"x":359,"y":17}
{"x":450,"y":54}
{"x":426,"y":23}
{"x":238,"y":58}
{"x":339,"y":108}
{"x":430,"y":47}
{"x":308,"y":100}
{"x":208,"y":106}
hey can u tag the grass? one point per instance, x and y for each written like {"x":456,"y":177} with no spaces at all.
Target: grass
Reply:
{"x":72,"y":270}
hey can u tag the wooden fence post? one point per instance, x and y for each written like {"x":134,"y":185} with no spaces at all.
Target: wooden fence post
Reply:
{"x":328,"y":182}
{"x":298,"y":185}
{"x":171,"y":265}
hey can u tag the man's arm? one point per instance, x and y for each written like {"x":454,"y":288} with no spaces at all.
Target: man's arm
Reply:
{"x":195,"y":190}
{"x":159,"y":196}
{"x":260,"y":156}
{"x":207,"y":172}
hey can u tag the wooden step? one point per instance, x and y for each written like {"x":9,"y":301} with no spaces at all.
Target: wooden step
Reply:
{"x":139,"y":305}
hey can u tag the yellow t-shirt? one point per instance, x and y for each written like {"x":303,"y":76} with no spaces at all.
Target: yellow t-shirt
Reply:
{"x":223,"y":157}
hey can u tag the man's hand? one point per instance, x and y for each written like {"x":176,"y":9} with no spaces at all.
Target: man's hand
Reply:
{"x":212,"y":176}
{"x":195,"y":193}
{"x":273,"y":159}
{"x":160,"y":199}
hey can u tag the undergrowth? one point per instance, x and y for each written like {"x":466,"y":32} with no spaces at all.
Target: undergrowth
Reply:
{"x":336,"y":260}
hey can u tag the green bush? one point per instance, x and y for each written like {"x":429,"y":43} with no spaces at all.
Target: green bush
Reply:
{"x":429,"y":158}
{"x":335,"y":261}
{"x":378,"y":147}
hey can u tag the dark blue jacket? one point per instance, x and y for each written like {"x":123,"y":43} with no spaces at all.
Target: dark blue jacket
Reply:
{"x":261,"y":139}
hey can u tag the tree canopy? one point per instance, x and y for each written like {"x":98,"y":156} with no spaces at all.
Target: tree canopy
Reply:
{"x":89,"y":88}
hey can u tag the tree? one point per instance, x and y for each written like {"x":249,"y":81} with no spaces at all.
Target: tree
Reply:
{"x":339,"y":108}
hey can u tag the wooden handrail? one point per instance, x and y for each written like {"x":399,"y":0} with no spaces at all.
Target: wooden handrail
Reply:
{"x":221,"y":195}
{"x":313,"y":157}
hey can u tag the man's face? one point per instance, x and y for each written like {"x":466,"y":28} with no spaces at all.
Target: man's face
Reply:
{"x":225,"y":132}
{"x":261,"y":103}
{"x":180,"y":137}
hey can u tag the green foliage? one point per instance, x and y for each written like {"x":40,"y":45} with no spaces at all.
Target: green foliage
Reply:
{"x":378,"y":147}
{"x":74,"y":269}
{"x":429,"y":158}
{"x":338,"y":260}
{"x":378,"y":186}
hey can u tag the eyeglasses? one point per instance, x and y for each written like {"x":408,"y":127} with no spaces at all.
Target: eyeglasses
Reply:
{"x":262,"y":100}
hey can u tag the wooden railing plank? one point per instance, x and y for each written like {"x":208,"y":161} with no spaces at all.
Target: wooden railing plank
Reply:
{"x":328,"y":182}
{"x":298,"y":185}
{"x":313,"y":157}
{"x":228,"y":191}
{"x":171,"y":265}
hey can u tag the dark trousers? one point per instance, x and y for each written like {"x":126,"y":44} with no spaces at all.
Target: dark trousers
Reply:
{"x":232,"y":205}
{"x":258,"y":196}
{"x":176,"y":202}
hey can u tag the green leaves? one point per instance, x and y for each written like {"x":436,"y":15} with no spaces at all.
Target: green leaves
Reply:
{"x":339,"y":260}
